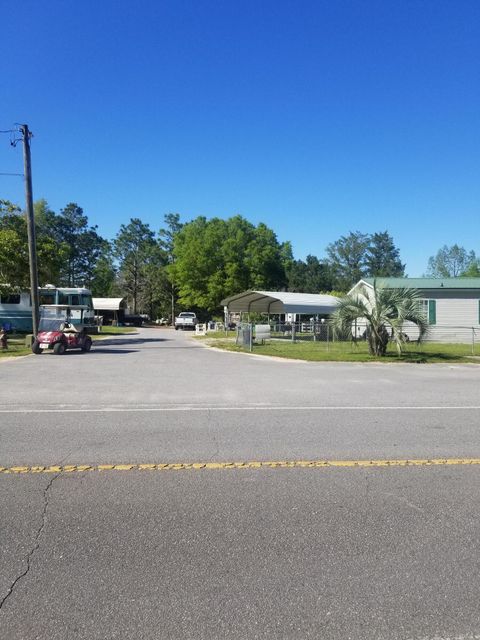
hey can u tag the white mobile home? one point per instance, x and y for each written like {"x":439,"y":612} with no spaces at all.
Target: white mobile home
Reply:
{"x":451,"y":305}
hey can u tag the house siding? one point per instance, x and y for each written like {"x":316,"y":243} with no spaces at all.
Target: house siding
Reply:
{"x":455,"y":308}
{"x":457,"y":312}
{"x":456,"y":318}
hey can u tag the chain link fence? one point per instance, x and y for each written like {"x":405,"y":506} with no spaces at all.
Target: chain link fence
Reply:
{"x":466,"y":338}
{"x":315,"y":331}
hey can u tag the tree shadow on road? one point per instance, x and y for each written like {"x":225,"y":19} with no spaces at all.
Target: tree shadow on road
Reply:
{"x":133,"y":340}
{"x":101,"y":350}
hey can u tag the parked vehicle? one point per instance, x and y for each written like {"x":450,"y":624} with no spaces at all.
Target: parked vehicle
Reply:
{"x":133,"y":320}
{"x":60,"y":328}
{"x":16,"y":307}
{"x":186,"y":320}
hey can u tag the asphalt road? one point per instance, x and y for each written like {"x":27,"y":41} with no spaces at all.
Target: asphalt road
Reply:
{"x":331,"y":553}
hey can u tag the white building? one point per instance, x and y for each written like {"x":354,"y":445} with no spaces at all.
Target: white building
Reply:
{"x":451,"y":305}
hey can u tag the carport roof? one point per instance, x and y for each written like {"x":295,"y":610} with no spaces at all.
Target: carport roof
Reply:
{"x":108,"y":304}
{"x":281,"y":302}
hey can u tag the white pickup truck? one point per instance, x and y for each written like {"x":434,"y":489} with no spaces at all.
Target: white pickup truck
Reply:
{"x":186,"y":320}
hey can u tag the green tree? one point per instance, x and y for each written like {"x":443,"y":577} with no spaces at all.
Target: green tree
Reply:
{"x":311,"y":276}
{"x":52,"y":253}
{"x":215,"y":258}
{"x":103,"y":282}
{"x":265,"y":261}
{"x":382,"y":258}
{"x":347,"y":259}
{"x":198,"y":269}
{"x":80,"y":246}
{"x":155,"y":282}
{"x":166,"y":242}
{"x":235,"y":255}
{"x":473,"y":270}
{"x":7,"y":207}
{"x":14,"y":272}
{"x":134,"y":246}
{"x":83,"y":246}
{"x":450,"y":262}
{"x":385,"y":311}
{"x":46,"y":220}
{"x":167,"y":235}
{"x":14,"y":259}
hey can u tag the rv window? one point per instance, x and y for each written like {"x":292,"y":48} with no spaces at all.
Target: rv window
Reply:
{"x":62,"y":298}
{"x":46,"y":298}
{"x":12,"y":298}
{"x":75,"y":299}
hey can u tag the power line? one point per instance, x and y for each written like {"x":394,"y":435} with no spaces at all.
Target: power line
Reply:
{"x":12,"y":132}
{"x":13,"y":143}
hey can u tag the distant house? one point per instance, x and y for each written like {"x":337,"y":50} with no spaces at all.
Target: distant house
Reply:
{"x":451,"y":305}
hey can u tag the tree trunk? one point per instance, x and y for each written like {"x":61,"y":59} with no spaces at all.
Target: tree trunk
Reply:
{"x":378,"y":341}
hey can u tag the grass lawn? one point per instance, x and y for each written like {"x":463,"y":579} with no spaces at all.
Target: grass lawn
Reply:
{"x":16,"y":344}
{"x":350,"y":352}
{"x":16,"y":347}
{"x":112,"y":331}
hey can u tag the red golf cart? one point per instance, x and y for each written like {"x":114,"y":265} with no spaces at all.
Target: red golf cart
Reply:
{"x":61,"y":327}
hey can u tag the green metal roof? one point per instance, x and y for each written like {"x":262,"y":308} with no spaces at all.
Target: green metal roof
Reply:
{"x":425,"y":283}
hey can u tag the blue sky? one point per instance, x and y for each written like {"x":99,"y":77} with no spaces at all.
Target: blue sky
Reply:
{"x":316,"y":118}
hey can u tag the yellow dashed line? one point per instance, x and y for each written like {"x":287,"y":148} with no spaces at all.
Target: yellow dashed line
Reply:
{"x":252,"y":464}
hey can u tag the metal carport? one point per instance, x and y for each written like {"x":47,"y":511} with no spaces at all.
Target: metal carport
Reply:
{"x":280,"y":302}
{"x":112,"y":309}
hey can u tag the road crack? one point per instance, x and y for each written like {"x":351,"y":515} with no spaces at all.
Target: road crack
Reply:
{"x":36,"y":544}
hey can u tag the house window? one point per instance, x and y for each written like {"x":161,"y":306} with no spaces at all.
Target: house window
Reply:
{"x":12,"y":298}
{"x":429,"y":308}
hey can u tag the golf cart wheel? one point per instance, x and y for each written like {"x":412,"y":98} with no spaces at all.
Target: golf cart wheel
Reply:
{"x":36,"y":348}
{"x":87,"y":345}
{"x":59,"y":349}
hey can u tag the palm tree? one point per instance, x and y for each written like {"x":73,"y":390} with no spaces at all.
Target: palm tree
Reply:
{"x":385,"y":311}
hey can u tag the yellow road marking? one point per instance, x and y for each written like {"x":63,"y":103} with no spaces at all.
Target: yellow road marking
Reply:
{"x":252,"y":464}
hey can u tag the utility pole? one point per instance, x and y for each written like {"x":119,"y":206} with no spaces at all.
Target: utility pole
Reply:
{"x":32,"y":248}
